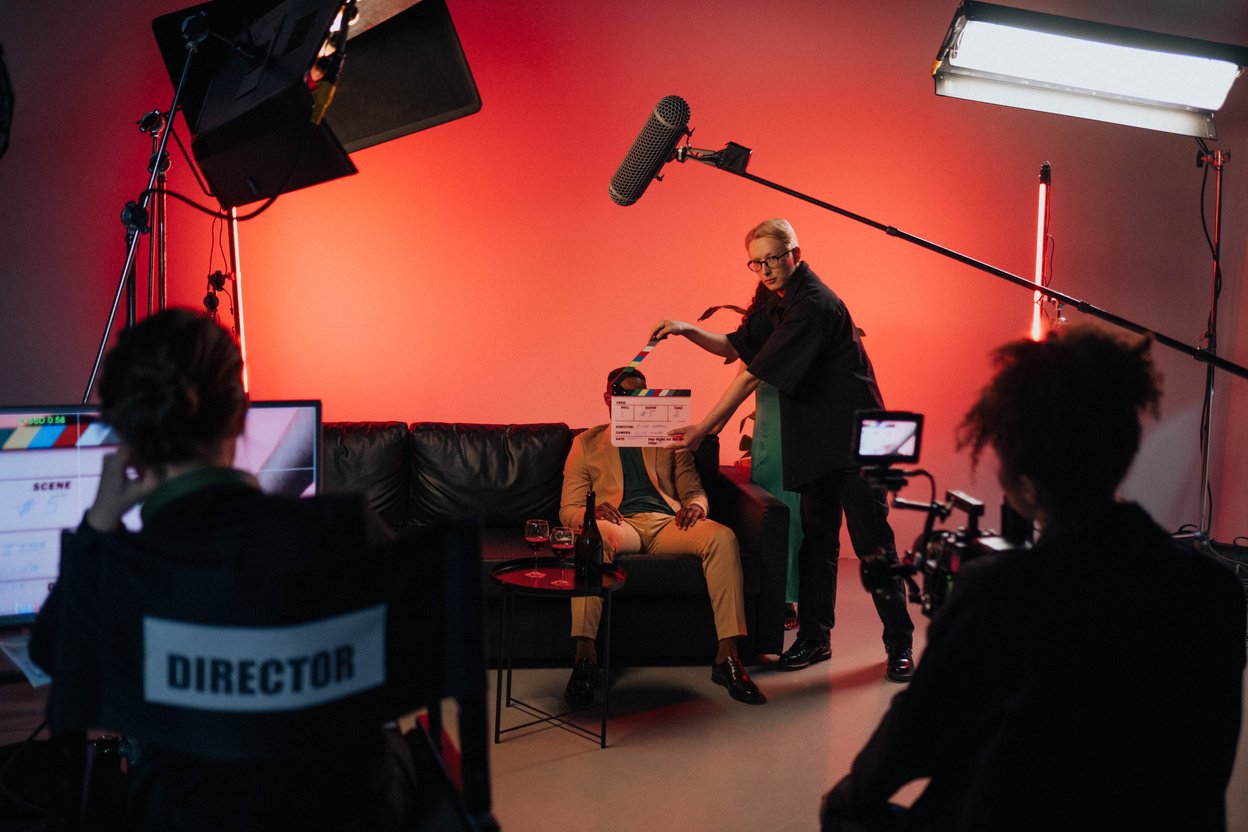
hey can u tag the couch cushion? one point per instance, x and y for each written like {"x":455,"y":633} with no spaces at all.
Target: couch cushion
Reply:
{"x":503,"y":474}
{"x":370,"y":457}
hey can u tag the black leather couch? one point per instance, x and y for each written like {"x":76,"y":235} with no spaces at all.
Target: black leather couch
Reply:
{"x":414,"y":474}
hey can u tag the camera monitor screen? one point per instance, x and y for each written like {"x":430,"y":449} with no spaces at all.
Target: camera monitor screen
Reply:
{"x":885,"y":437}
{"x":50,"y":462}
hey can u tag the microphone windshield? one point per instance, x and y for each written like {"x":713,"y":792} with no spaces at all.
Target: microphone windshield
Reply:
{"x":653,"y":149}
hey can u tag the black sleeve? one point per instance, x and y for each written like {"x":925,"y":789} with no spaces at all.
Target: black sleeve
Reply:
{"x":751,"y":335}
{"x":65,"y":639}
{"x":55,"y":620}
{"x":785,"y":359}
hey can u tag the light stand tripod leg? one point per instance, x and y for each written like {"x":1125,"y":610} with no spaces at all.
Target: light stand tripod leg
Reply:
{"x":135,"y":216}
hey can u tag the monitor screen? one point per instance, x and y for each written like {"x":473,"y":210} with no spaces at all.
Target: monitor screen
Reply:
{"x":50,"y":460}
{"x":886,"y":437}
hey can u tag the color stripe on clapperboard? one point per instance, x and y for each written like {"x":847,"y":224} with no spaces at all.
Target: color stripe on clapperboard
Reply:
{"x":641,"y":356}
{"x":83,"y":433}
{"x":645,"y":392}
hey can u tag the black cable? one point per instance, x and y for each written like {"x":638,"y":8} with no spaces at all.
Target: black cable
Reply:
{"x":213,"y":238}
{"x":290,"y":174}
{"x":190,"y":163}
{"x":212,"y":212}
{"x":233,"y":313}
{"x":931,"y":481}
{"x":1205,"y":159}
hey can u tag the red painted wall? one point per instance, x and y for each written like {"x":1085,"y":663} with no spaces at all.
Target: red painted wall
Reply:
{"x":478,"y":271}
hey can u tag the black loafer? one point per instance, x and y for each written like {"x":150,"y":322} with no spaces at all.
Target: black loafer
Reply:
{"x":804,"y":653}
{"x":900,"y":665}
{"x":730,"y":674}
{"x":582,"y":684}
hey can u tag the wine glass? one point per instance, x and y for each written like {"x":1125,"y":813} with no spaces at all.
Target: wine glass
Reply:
{"x":562,"y":541}
{"x":536,"y":535}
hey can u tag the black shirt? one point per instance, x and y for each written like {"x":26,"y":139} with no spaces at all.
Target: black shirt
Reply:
{"x":218,"y":518}
{"x":807,"y":347}
{"x":1093,"y":682}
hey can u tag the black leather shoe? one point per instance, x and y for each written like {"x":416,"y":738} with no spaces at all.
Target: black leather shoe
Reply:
{"x":732,"y":675}
{"x":804,"y":653}
{"x":900,"y":665}
{"x":581,"y":687}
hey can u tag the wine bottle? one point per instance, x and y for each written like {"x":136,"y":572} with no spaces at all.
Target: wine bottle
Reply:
{"x":588,"y":554}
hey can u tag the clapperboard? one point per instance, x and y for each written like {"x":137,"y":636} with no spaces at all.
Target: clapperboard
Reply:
{"x":642,"y":418}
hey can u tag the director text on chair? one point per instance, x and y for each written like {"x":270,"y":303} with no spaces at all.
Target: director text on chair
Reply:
{"x":262,"y":682}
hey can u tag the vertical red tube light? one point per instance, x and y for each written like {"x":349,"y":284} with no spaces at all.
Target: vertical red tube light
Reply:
{"x":239,"y":332}
{"x":1042,"y":236}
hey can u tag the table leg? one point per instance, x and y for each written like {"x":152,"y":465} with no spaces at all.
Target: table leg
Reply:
{"x":502,"y":654}
{"x":511,"y":613}
{"x":606,"y":668}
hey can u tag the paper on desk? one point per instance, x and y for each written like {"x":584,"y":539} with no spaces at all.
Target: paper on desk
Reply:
{"x":17,"y":648}
{"x":642,"y":418}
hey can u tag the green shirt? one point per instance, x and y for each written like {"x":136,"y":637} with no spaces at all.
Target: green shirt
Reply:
{"x":640,"y":495}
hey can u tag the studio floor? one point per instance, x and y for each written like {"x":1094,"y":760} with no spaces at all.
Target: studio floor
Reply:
{"x":681,"y":754}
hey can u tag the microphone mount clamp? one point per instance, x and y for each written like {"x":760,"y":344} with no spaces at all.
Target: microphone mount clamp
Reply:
{"x":733,"y":157}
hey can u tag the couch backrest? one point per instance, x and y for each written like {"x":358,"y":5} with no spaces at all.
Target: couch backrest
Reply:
{"x":430,"y":471}
{"x":504,"y":474}
{"x":370,"y":457}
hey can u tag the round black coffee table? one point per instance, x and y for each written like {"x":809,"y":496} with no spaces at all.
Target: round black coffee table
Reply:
{"x":514,"y":579}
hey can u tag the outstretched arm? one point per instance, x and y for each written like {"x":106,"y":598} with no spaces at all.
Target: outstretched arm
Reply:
{"x":713,"y":342}
{"x":738,"y":391}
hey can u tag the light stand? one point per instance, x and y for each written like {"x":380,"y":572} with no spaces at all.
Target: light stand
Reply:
{"x":155,"y":123}
{"x":1054,"y":64}
{"x":1217,"y":161}
{"x":734,"y":158}
{"x":135,"y":215}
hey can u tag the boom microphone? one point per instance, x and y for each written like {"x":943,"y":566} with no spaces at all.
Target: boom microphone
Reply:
{"x":655,"y":146}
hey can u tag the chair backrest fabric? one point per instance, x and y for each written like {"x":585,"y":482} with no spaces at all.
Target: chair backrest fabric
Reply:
{"x":250,"y":663}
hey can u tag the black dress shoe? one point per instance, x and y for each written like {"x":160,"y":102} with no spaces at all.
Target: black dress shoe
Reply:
{"x":804,"y":653}
{"x":732,"y":675}
{"x":582,"y":684}
{"x":900,"y":665}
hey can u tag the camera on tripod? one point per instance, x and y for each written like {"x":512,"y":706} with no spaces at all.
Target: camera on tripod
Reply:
{"x":884,"y":438}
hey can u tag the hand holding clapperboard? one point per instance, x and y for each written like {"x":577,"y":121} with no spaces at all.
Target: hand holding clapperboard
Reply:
{"x":643,"y":418}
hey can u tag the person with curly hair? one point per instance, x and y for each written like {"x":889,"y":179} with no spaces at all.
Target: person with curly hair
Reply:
{"x":1093,"y":681}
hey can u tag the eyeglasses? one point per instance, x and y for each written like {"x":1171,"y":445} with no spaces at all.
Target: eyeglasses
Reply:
{"x":771,"y":262}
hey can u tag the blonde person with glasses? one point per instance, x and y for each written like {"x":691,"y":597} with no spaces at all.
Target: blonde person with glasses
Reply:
{"x":803,"y":342}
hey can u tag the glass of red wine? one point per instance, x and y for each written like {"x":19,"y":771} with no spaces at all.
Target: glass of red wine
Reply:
{"x":562,"y":541}
{"x":536,"y":535}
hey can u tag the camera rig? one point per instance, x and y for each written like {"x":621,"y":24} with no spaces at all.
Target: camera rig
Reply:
{"x":938,"y":554}
{"x":883,"y":438}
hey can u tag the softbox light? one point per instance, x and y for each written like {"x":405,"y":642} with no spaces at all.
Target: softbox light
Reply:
{"x":247,"y":100}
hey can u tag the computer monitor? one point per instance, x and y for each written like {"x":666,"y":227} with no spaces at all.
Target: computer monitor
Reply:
{"x":50,"y":461}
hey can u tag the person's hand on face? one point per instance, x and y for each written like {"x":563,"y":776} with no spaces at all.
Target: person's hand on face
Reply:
{"x":123,"y":485}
